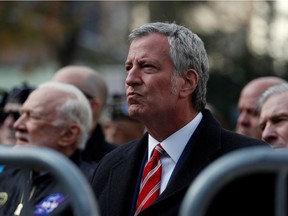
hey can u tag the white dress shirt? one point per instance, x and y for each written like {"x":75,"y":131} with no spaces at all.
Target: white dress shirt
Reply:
{"x":173,"y":146}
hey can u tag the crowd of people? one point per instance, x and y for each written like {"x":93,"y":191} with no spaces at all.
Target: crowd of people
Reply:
{"x":248,"y":119}
{"x":154,"y":141}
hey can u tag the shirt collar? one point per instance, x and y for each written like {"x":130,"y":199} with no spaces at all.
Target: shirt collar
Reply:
{"x":175,"y":143}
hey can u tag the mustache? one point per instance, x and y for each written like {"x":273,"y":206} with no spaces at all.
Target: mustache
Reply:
{"x":20,"y":135}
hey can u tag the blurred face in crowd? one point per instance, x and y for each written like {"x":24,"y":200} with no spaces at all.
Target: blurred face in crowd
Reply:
{"x":122,"y":131}
{"x":10,"y":115}
{"x":36,"y":125}
{"x":248,"y":119}
{"x":274,"y":120}
{"x":149,"y":74}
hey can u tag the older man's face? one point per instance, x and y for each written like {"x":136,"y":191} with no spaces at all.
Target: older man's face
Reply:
{"x":274,"y":120}
{"x":36,"y":123}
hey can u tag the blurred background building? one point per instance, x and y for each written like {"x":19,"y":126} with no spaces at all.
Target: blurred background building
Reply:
{"x":244,"y":40}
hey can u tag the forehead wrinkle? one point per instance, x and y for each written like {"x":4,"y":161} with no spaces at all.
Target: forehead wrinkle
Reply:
{"x":45,"y":101}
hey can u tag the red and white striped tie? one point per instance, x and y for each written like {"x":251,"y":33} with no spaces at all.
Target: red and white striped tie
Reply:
{"x":151,"y":179}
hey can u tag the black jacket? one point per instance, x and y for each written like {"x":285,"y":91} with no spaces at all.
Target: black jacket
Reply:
{"x":115,"y":180}
{"x":46,"y":195}
{"x":96,"y":146}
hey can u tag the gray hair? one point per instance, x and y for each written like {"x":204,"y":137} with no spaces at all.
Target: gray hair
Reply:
{"x":276,"y":89}
{"x":75,"y":109}
{"x":187,"y":51}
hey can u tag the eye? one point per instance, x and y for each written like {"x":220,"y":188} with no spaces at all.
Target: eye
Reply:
{"x":128,"y":66}
{"x":34,"y":115}
{"x":253,"y":112}
{"x":149,"y":68}
{"x":281,"y":119}
{"x":262,"y":126}
{"x":147,"y":65}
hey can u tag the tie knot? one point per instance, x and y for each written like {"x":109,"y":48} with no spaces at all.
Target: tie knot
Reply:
{"x":158,"y":151}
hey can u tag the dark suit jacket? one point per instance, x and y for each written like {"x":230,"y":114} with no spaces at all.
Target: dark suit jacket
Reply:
{"x":96,"y":146}
{"x":115,"y":180}
{"x":46,"y":188}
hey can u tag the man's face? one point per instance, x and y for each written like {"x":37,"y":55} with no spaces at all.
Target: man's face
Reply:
{"x":11,"y":112}
{"x":274,"y":120}
{"x":248,"y":119}
{"x":36,"y":123}
{"x":149,"y":79}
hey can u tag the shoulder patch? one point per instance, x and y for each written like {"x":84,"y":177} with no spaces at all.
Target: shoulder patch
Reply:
{"x":49,"y":204}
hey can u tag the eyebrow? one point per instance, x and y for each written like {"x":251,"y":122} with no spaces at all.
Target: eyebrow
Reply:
{"x":279,"y":115}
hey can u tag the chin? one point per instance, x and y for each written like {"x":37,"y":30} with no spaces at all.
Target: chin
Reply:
{"x":278,"y":146}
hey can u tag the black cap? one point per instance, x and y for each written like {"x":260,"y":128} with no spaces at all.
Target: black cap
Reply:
{"x":18,"y":94}
{"x":3,"y":97}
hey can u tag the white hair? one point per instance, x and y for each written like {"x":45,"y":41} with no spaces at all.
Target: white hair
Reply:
{"x":276,"y":89}
{"x":75,"y":109}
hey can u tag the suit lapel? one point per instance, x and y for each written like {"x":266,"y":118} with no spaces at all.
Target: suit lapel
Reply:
{"x":124,"y":175}
{"x":197,"y":154}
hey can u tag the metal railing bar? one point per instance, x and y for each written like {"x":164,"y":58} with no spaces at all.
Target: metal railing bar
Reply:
{"x":67,"y":173}
{"x":229,"y":167}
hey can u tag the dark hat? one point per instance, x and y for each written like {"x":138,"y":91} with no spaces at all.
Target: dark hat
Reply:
{"x":3,"y":97}
{"x":18,"y":94}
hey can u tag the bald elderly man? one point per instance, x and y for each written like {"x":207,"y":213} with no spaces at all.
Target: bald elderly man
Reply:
{"x":95,"y":89}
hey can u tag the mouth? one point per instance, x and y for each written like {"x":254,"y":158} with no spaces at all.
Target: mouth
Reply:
{"x":243,"y":131}
{"x":132,"y":93}
{"x":133,"y":98}
{"x":21,"y":138}
{"x":278,"y":146}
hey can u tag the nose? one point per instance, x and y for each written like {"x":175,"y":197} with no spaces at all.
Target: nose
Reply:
{"x":243,"y":118}
{"x":18,"y":124}
{"x":269,"y":135}
{"x":133,"y":77}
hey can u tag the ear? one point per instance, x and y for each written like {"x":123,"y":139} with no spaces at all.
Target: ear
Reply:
{"x":95,"y":106}
{"x":190,"y":82}
{"x":69,"y":135}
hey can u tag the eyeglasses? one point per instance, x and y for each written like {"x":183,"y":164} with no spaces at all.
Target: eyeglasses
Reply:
{"x":4,"y":114}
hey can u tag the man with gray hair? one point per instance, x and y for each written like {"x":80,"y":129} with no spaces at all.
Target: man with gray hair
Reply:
{"x":56,"y":116}
{"x":94,"y":87}
{"x":273,"y":121}
{"x":166,"y":84}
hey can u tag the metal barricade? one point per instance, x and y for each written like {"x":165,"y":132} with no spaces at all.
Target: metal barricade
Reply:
{"x":228,"y":168}
{"x":68,"y":175}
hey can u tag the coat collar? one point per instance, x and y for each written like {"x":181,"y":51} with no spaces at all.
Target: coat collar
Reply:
{"x":198,"y":153}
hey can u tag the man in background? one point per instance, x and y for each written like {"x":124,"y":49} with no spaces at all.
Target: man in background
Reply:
{"x":273,"y":107}
{"x":55,"y":116}
{"x":120,"y":128}
{"x":95,"y":89}
{"x":10,"y":111}
{"x":248,"y":119}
